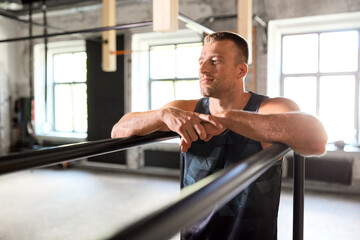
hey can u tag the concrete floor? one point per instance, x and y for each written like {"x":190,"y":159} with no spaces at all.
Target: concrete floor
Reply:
{"x":56,"y":204}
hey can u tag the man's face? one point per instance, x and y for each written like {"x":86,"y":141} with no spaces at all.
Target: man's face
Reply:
{"x":217,"y":71}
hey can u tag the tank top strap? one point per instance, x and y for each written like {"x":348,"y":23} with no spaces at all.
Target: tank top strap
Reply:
{"x":254,"y":102}
{"x":202,"y":106}
{"x":253,"y":105}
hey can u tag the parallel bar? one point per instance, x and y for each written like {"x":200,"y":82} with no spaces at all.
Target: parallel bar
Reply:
{"x":198,"y":200}
{"x":99,"y":29}
{"x":40,"y":158}
{"x":298,"y":206}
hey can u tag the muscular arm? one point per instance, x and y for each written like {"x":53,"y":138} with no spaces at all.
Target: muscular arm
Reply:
{"x":177,"y":116}
{"x":139,"y":123}
{"x":279,"y":120}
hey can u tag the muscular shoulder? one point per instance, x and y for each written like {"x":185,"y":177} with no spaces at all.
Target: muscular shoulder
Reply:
{"x":186,"y":105}
{"x":277,"y":105}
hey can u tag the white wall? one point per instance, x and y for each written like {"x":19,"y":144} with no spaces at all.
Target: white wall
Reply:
{"x":10,"y":81}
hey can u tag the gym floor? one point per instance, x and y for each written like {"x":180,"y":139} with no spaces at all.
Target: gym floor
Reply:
{"x":82,"y":203}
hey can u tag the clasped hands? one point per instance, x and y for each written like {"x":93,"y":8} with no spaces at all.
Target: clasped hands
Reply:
{"x":191,"y":125}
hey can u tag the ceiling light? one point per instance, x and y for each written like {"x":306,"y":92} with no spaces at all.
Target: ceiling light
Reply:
{"x":13,"y":5}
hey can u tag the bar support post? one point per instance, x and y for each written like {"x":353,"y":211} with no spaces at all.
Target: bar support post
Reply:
{"x":298,"y":202}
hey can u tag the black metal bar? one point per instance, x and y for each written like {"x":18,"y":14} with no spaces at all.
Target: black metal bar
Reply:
{"x":99,"y":29}
{"x":44,"y":10}
{"x":298,"y":205}
{"x":45,"y":157}
{"x":199,"y":199}
{"x":31,"y":55}
{"x":195,"y":24}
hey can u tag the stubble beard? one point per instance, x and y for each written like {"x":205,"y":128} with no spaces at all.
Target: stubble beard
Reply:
{"x":213,"y":91}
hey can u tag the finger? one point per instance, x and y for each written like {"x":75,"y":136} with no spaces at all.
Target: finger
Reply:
{"x":208,"y":137}
{"x":191,"y":132}
{"x":184,"y":136}
{"x":200,"y":130}
{"x":184,"y":146}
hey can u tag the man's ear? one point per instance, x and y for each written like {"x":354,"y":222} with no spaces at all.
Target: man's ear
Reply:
{"x":242,"y":70}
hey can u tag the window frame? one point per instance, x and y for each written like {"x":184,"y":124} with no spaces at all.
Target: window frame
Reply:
{"x":304,"y":25}
{"x":45,"y":115}
{"x":54,"y":84}
{"x":318,"y":74}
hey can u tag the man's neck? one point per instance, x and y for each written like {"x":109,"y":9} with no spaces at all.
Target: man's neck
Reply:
{"x":238,"y":101}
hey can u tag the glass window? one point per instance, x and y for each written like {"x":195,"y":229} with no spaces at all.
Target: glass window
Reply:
{"x":161,"y":93}
{"x":300,"y":54}
{"x":301,"y":90}
{"x":61,"y":108}
{"x":339,"y":51}
{"x":63,"y":103}
{"x":187,"y":56}
{"x":326,"y":86}
{"x":187,"y":89}
{"x":70,"y":97}
{"x":70,"y":67}
{"x":337,"y":107}
{"x":174,"y":73}
{"x":162,"y":62}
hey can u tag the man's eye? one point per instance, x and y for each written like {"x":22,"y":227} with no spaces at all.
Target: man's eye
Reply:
{"x":214,"y":61}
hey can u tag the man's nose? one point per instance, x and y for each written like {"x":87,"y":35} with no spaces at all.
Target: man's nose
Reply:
{"x":204,"y":67}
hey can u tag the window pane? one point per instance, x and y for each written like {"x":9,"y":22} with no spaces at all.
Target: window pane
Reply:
{"x":62,"y":68}
{"x":187,"y":89}
{"x":79,"y":67}
{"x":162,"y":92}
{"x":337,"y":107}
{"x":162,"y":62}
{"x":300,"y":54}
{"x":63,"y":108}
{"x":187,"y":56}
{"x":80,"y":107}
{"x":339,"y":51}
{"x":294,"y":89}
{"x":70,"y":67}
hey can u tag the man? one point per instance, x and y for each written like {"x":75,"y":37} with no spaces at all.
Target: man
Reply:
{"x":226,"y":126}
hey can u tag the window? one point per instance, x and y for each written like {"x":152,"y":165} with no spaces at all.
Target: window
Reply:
{"x":62,"y":110}
{"x":319,"y":70}
{"x":174,"y":73}
{"x":164,"y":67}
{"x":319,"y":73}
{"x":70,"y":107}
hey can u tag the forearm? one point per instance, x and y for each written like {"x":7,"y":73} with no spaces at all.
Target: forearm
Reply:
{"x":138,"y":123}
{"x":302,"y":132}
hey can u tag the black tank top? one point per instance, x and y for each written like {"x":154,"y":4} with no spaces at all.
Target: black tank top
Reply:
{"x":251,"y":215}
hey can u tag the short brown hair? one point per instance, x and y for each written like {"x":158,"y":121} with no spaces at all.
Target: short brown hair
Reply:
{"x":239,"y":41}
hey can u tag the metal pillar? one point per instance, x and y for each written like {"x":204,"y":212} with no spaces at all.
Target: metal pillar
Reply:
{"x":298,"y":206}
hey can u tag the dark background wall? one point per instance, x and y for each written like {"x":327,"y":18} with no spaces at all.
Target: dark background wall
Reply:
{"x":105,"y":91}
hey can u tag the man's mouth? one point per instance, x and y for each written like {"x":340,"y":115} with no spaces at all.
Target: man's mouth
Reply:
{"x":206,"y":79}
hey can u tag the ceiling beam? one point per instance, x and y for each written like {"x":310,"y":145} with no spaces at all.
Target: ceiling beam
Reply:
{"x":109,"y":37}
{"x":244,"y":22}
{"x":165,"y":15}
{"x":244,"y":19}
